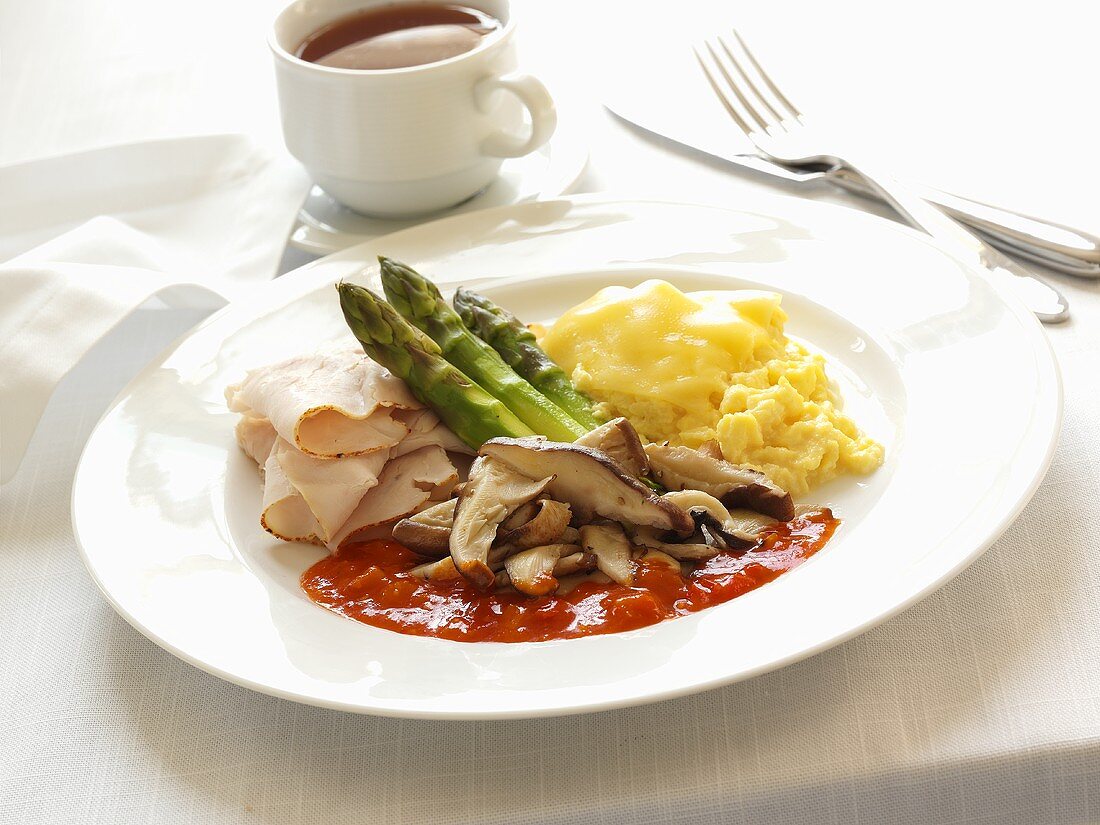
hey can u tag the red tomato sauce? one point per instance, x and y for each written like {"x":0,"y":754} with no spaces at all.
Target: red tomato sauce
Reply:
{"x":370,"y":582}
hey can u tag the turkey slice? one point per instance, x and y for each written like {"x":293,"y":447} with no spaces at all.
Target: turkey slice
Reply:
{"x":331,"y":488}
{"x":285,"y":513}
{"x":330,"y":403}
{"x":425,"y":429}
{"x":405,"y":485}
{"x":256,"y":437}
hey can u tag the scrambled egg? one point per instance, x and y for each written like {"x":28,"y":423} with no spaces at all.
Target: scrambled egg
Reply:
{"x":692,"y":367}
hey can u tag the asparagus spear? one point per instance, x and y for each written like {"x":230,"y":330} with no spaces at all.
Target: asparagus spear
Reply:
{"x":516,"y":344}
{"x":418,"y":299}
{"x":473,"y":414}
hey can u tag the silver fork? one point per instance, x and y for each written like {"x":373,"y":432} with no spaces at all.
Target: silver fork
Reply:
{"x":777,"y":129}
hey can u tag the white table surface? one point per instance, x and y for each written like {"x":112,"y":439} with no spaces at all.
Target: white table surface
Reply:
{"x":981,"y":704}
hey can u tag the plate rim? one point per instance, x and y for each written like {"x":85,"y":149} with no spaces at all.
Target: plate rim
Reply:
{"x":761,"y":206}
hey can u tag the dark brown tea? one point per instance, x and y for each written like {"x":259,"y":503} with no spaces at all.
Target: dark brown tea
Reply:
{"x":397,"y":36}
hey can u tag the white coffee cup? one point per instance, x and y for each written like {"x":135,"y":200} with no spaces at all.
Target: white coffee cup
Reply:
{"x":401,"y":142}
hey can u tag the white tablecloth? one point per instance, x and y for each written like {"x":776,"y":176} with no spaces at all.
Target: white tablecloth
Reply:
{"x":981,"y":704}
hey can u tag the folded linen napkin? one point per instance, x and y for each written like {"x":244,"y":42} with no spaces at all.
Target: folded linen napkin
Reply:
{"x":88,"y":238}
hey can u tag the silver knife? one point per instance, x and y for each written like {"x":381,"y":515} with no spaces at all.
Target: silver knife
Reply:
{"x":1053,"y":245}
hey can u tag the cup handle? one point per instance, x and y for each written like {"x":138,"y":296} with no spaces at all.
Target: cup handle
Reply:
{"x":534,"y":96}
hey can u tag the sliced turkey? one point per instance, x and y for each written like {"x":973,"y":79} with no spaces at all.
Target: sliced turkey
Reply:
{"x":285,"y":513}
{"x":425,"y":429}
{"x":331,"y":488}
{"x":331,"y":403}
{"x":404,"y":486}
{"x":256,"y":437}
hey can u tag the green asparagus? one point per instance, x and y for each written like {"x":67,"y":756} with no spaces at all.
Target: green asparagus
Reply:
{"x":516,"y":344}
{"x":420,"y":302}
{"x":473,"y":414}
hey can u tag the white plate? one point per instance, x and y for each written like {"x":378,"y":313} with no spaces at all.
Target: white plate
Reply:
{"x":326,"y":226}
{"x":954,"y":377}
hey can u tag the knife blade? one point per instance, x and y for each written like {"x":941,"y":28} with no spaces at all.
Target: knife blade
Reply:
{"x":1059,"y":247}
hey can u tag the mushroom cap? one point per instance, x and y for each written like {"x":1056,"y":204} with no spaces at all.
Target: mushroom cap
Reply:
{"x":545,"y":526}
{"x":571,"y":582}
{"x":490,"y":494}
{"x":661,"y":557}
{"x":609,"y":544}
{"x":427,"y":533}
{"x":620,"y":441}
{"x":712,"y":518}
{"x":521,"y":515}
{"x":696,"y":500}
{"x":691,"y":550}
{"x":711,"y":448}
{"x":579,"y":561}
{"x":682,"y":468}
{"x":531,"y":571}
{"x":590,"y":481}
{"x":439,"y":570}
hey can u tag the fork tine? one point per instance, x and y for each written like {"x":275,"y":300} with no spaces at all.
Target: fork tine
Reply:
{"x":732,"y":85}
{"x":749,"y":82}
{"x":726,"y":102}
{"x":782,"y":98}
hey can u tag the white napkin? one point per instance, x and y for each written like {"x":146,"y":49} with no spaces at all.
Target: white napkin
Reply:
{"x":88,"y":238}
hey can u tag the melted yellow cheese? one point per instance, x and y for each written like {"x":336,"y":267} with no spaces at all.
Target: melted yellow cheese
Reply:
{"x":689,"y":367}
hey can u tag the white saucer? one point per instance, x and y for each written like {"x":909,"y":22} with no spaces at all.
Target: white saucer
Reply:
{"x":325,"y":226}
